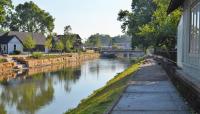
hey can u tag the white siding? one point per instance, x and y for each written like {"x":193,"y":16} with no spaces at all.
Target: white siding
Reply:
{"x":189,"y":62}
{"x":12,"y":43}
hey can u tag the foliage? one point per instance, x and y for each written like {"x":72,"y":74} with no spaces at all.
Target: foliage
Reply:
{"x":5,"y":6}
{"x":67,"y":29}
{"x":2,"y":109}
{"x":94,"y":41}
{"x":59,"y":46}
{"x":48,"y":43}
{"x":28,"y":17}
{"x":16,"y":52}
{"x":37,"y":55}
{"x":142,"y":11}
{"x":2,"y":60}
{"x":28,"y":92}
{"x":69,"y":45}
{"x":149,"y":23}
{"x":102,"y":99}
{"x":29,"y":43}
{"x":68,"y":40}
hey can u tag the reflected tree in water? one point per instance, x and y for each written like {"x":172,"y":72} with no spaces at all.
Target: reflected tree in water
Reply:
{"x":2,"y":109}
{"x":68,"y":76}
{"x":29,"y":96}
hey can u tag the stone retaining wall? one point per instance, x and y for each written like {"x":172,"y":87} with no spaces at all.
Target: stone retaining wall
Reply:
{"x":45,"y":65}
{"x":6,"y":66}
{"x":67,"y":59}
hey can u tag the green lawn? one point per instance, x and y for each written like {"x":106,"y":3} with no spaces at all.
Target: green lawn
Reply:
{"x":101,"y":100}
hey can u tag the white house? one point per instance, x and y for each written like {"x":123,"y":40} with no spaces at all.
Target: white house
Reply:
{"x":13,"y":41}
{"x":188,"y":46}
{"x":11,"y":44}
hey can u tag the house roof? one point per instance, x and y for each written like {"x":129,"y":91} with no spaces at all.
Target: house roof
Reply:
{"x":174,"y":4}
{"x":5,"y":39}
{"x":39,"y":38}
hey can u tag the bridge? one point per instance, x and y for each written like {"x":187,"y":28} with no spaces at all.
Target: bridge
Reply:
{"x":122,"y":53}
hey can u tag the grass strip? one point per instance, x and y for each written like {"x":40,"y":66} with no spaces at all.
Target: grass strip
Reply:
{"x":102,"y":99}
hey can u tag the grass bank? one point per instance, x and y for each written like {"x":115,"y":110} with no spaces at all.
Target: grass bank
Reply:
{"x":102,"y":99}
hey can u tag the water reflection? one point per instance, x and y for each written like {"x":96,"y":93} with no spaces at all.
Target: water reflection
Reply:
{"x":54,"y":89}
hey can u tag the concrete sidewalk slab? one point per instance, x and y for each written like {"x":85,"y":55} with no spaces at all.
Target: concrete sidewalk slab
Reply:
{"x":149,"y":112}
{"x":150,"y":92}
{"x":150,"y":101}
{"x":146,"y":86}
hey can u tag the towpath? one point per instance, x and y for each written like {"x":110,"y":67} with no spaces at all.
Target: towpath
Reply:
{"x":150,"y":92}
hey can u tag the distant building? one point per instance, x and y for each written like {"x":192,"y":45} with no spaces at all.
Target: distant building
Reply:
{"x":14,"y":41}
{"x":188,"y":46}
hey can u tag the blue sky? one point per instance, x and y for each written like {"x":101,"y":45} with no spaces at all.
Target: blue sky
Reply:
{"x":86,"y":17}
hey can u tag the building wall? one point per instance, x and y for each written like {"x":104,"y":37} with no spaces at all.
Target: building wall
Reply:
{"x":190,"y":63}
{"x":14,"y":41}
{"x":4,"y":48}
{"x":180,"y":43}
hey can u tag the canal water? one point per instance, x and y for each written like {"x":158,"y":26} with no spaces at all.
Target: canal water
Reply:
{"x":57,"y":91}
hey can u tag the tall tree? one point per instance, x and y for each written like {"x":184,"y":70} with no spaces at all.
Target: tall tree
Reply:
{"x":28,"y":17}
{"x":67,"y":29}
{"x":5,"y":7}
{"x":163,"y":28}
{"x":142,"y":11}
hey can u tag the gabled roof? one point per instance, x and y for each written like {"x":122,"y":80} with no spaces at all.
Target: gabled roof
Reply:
{"x":5,"y":39}
{"x":39,"y":38}
{"x":174,"y":4}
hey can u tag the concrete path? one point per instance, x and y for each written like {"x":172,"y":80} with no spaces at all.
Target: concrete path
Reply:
{"x":150,"y":92}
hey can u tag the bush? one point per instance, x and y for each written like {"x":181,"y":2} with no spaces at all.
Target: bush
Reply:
{"x":17,"y":52}
{"x":37,"y":55}
{"x":2,"y":60}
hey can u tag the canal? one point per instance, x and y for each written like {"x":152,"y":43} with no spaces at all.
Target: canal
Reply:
{"x":57,"y":91}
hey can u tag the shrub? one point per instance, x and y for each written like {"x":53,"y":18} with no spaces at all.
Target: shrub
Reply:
{"x":2,"y":60}
{"x":37,"y":55}
{"x":17,"y":52}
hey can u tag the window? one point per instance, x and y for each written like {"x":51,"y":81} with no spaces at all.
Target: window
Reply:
{"x":195,"y":32}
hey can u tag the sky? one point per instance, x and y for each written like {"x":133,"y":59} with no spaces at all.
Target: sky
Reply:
{"x":86,"y":17}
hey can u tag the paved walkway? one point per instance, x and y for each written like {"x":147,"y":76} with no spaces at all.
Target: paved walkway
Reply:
{"x":151,"y":92}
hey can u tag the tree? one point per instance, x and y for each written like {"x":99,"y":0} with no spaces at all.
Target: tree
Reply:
{"x":161,"y":31}
{"x":28,"y":17}
{"x":5,"y":7}
{"x":29,"y":43}
{"x":142,"y":11}
{"x":149,"y":24}
{"x":59,"y":46}
{"x":67,"y":29}
{"x":69,"y":45}
{"x":94,"y":41}
{"x":48,"y":43}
